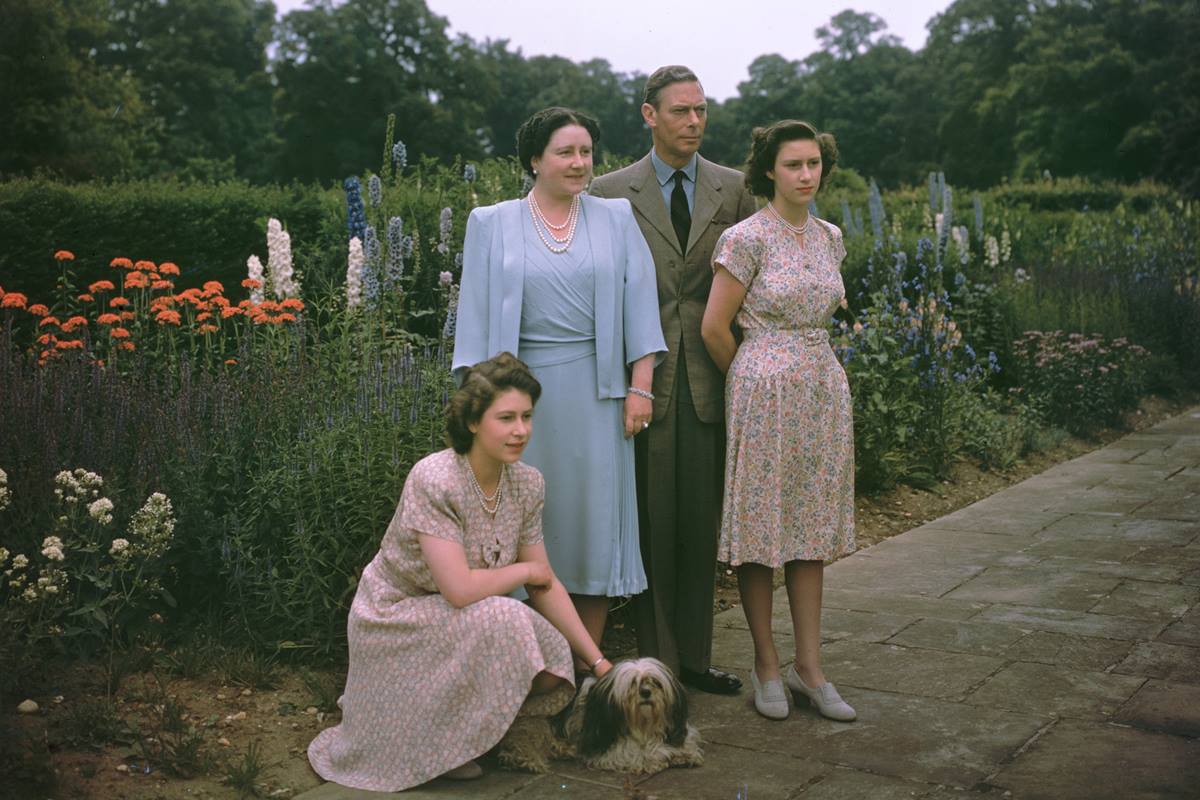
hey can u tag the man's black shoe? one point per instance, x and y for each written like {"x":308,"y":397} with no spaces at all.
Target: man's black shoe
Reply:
{"x":712,"y":680}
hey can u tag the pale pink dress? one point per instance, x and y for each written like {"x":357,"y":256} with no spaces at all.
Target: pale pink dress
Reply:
{"x":789,"y":469}
{"x":431,"y":686}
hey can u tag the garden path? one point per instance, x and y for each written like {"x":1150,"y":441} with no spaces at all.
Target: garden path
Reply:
{"x":1041,"y":643}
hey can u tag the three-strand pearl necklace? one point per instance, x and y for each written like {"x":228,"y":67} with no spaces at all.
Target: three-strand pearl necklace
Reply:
{"x":490,"y":504}
{"x":797,"y":229}
{"x":551,"y":234}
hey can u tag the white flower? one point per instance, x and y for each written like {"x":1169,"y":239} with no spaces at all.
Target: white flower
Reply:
{"x":54,"y":553}
{"x":354,"y":269}
{"x":254,"y":271}
{"x":445,"y":278}
{"x":992,"y":251}
{"x":1005,"y":246}
{"x":154,"y":523}
{"x":279,"y":261}
{"x":1020,"y":275}
{"x":119,"y":547}
{"x":5,"y":495}
{"x":20,"y":561}
{"x":3,"y":555}
{"x":29,"y":595}
{"x":101,"y":510}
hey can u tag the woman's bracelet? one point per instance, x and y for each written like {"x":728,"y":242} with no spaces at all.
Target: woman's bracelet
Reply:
{"x":641,"y":392}
{"x":596,"y":663}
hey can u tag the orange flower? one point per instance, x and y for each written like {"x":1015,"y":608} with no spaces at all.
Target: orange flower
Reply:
{"x":118,"y":302}
{"x":293,"y":304}
{"x":73,"y":323}
{"x":135,"y":280}
{"x":37,"y":309}
{"x":168,"y":268}
{"x":203,"y":315}
{"x":161,"y":285}
{"x":230,"y":361}
{"x":101,"y":286}
{"x":46,"y":339}
{"x":246,"y":305}
{"x":286,"y":317}
{"x":219,"y":301}
{"x":167,"y":317}
{"x":128,"y":315}
{"x":70,"y":344}
{"x":119,"y":333}
{"x":208,"y":328}
{"x":99,"y":362}
{"x":162,"y":301}
{"x":122,"y":262}
{"x":260,"y":319}
{"x":213,"y":287}
{"x":48,"y":321}
{"x":13,"y":300}
{"x":251,"y":283}
{"x":86,"y":298}
{"x":269,"y":306}
{"x":64,"y":255}
{"x":154,"y":276}
{"x":230,"y":311}
{"x":146,"y":266}
{"x":108,"y":319}
{"x":126,"y":346}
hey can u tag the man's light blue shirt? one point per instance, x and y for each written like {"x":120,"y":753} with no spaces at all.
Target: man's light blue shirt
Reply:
{"x":666,"y":174}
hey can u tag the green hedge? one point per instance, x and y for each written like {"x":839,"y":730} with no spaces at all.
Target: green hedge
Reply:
{"x":209,"y":230}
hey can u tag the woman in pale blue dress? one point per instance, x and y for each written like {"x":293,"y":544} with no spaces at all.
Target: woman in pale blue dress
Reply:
{"x":567,"y":282}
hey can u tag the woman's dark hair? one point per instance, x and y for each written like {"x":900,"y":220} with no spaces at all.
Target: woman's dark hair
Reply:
{"x":535,"y":132}
{"x":764,"y":148}
{"x":482,"y":384}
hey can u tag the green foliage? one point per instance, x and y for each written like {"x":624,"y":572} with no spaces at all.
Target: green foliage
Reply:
{"x":208,"y":230}
{"x":244,"y":774}
{"x":1076,"y":381}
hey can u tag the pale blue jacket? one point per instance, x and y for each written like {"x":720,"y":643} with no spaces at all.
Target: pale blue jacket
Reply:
{"x":626,"y":300}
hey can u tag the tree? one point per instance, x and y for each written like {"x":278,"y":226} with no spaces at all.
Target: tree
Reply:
{"x":850,"y":34}
{"x":62,"y":111}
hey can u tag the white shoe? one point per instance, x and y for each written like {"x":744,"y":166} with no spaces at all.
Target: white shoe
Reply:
{"x":769,"y":699}
{"x":825,"y":697}
{"x":464,"y":772}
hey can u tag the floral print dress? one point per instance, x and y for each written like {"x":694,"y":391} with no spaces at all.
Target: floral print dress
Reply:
{"x":789,"y":470}
{"x":431,"y":686}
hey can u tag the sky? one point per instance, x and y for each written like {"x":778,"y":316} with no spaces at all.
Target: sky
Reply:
{"x":718,"y":40}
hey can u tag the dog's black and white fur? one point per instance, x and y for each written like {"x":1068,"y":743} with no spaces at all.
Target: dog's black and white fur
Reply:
{"x":634,"y":719}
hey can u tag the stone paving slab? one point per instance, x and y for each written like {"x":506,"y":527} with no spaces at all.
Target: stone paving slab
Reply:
{"x":1069,"y":650}
{"x":919,"y":739}
{"x":1082,"y":761}
{"x":850,"y":784}
{"x":1162,"y":660}
{"x":1014,"y":523}
{"x":1052,"y":690}
{"x":1148,"y":600}
{"x":1122,"y":529}
{"x":1164,"y":707}
{"x":1185,"y":631}
{"x":1036,"y":586}
{"x":910,"y":671}
{"x":1081,"y":623}
{"x":731,"y":772}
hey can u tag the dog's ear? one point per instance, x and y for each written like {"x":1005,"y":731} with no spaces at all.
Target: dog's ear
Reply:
{"x":677,"y":732}
{"x":603,"y":719}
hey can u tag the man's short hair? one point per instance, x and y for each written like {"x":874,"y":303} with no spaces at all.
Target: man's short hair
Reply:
{"x":664,"y":77}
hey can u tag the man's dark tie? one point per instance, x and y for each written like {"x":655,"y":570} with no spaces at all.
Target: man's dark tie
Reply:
{"x":681,"y":217}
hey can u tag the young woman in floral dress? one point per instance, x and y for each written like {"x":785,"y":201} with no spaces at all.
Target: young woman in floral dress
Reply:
{"x":789,"y":471}
{"x":441,"y":660}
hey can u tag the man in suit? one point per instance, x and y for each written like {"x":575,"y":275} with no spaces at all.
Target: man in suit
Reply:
{"x":682,"y":203}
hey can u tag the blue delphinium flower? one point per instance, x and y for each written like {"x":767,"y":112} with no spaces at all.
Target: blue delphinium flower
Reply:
{"x":875,"y":206}
{"x":934,"y":194}
{"x":847,"y":219}
{"x":399,"y":156}
{"x":993,"y":362}
{"x":356,"y":216}
{"x":370,"y":273}
{"x":375,"y":191}
{"x":395,"y":255}
{"x":978,"y":217}
{"x":470,"y":173}
{"x":445,"y":227}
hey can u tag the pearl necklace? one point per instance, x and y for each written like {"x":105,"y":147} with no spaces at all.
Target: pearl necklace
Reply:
{"x":495,"y":499}
{"x":544,"y":226}
{"x":797,"y":229}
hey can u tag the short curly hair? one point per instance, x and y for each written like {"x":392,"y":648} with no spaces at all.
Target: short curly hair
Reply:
{"x":481,"y":385}
{"x":764,"y":148}
{"x":535,"y":132}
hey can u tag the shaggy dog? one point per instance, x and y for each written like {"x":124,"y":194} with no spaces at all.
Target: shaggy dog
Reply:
{"x":634,"y":719}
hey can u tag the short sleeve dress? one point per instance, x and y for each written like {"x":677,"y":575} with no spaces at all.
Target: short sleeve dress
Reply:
{"x":431,"y":686}
{"x":789,"y":470}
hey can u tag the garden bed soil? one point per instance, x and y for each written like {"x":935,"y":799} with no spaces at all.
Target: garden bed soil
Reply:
{"x":279,"y":722}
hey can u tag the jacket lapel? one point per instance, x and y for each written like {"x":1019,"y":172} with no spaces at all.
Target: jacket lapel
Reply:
{"x":708,"y":200}
{"x":646,"y":198}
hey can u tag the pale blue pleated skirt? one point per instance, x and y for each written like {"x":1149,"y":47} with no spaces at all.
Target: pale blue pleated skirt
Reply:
{"x":590,"y":519}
